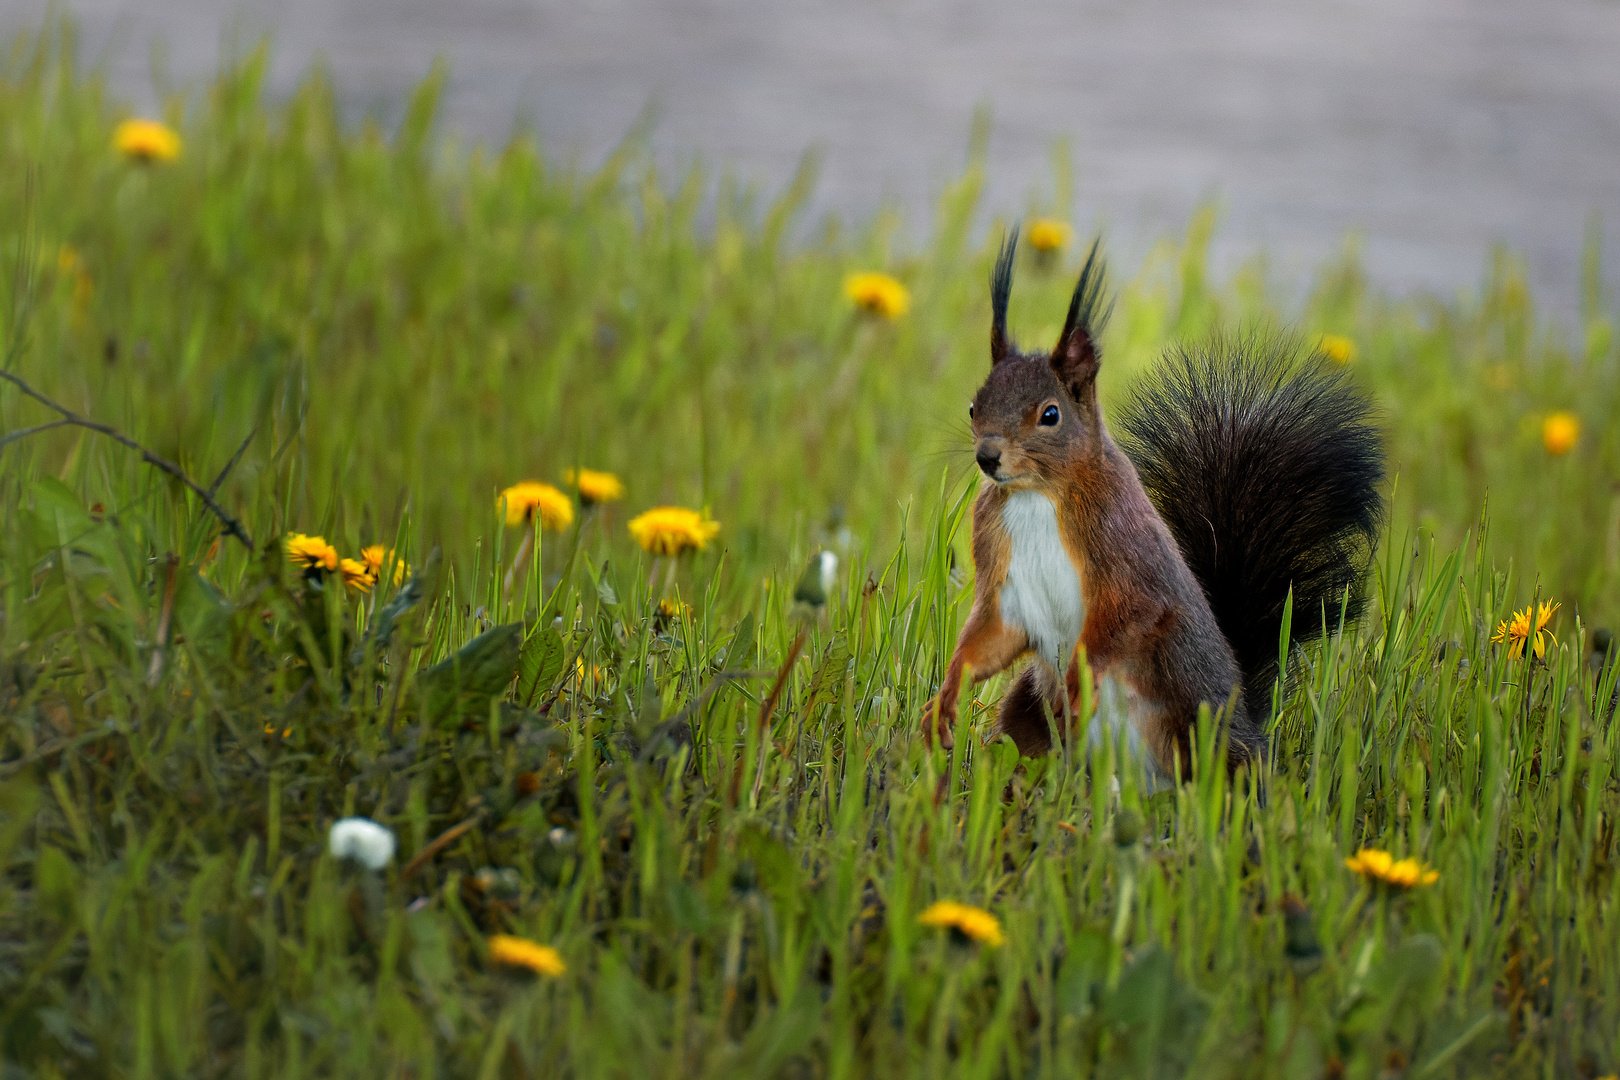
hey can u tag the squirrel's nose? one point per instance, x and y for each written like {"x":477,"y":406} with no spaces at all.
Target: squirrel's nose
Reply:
{"x":989,"y":461}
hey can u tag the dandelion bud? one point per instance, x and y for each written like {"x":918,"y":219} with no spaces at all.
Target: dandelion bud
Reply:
{"x":1127,"y":828}
{"x":816,"y":581}
{"x":1300,"y":943}
{"x":1300,"y":932}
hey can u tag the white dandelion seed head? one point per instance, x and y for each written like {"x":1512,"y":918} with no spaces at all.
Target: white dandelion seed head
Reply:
{"x":829,"y":570}
{"x":363,"y":840}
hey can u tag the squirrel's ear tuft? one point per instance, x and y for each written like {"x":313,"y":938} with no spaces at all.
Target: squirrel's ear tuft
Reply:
{"x":1077,"y":356}
{"x":1000,"y":290}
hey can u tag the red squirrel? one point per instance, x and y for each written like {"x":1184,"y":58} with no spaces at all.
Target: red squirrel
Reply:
{"x":1246,"y":472}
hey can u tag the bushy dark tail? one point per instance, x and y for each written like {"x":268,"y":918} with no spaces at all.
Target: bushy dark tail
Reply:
{"x":1264,"y":464}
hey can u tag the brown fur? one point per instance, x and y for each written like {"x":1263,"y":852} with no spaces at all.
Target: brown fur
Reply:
{"x":1148,"y":623}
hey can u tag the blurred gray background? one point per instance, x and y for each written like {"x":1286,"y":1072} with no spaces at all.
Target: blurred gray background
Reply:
{"x":1435,"y":128}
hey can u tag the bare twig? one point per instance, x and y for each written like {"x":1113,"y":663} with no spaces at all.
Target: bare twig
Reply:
{"x":157,"y":461}
{"x":766,"y":707}
{"x":9,"y":767}
{"x":769,"y":704}
{"x":442,"y":841}
{"x":23,"y":433}
{"x":213,"y":489}
{"x":172,"y":578}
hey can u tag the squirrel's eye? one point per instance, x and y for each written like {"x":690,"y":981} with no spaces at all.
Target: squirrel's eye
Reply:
{"x":1049,"y":416}
{"x":970,"y":410}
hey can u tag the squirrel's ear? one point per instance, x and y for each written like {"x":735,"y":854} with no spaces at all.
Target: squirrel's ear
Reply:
{"x":1077,"y":356}
{"x":1000,"y":290}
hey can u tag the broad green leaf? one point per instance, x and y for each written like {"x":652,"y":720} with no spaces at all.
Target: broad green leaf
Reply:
{"x":539,"y":664}
{"x":465,"y":684}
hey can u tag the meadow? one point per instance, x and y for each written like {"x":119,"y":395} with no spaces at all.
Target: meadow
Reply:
{"x":718,"y":848}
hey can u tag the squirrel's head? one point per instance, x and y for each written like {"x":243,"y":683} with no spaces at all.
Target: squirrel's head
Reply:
{"x":1037,"y":412}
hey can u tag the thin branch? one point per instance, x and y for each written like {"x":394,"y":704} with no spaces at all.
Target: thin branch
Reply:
{"x":769,"y":704}
{"x":213,"y":489}
{"x":442,"y":841}
{"x":165,"y":615}
{"x":9,"y":767}
{"x":23,"y":433}
{"x":157,"y":461}
{"x":766,"y":707}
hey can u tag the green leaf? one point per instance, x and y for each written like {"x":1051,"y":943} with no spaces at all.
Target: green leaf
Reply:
{"x":1080,"y":978}
{"x":604,"y":591}
{"x":741,"y":649}
{"x":776,"y":869}
{"x":1413,"y":967}
{"x":468,"y":681}
{"x":828,"y":682}
{"x":687,"y":906}
{"x":57,"y":515}
{"x":1158,"y":1017}
{"x":778,"y":1036}
{"x":18,"y":800}
{"x":539,"y":664}
{"x":57,"y":883}
{"x":1396,"y":990}
{"x":201,"y":614}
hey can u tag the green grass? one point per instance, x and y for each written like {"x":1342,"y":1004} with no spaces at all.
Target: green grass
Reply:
{"x":400,"y":327}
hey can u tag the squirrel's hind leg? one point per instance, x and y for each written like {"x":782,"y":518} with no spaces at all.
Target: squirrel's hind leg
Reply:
{"x":1024,"y":707}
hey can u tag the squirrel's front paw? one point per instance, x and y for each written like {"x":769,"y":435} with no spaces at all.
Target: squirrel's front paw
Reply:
{"x":940,"y":721}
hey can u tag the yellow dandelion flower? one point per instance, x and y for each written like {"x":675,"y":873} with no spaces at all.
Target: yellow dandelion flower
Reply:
{"x":1338,"y":348}
{"x":878,"y":293}
{"x":595,"y":674}
{"x":311,"y":552}
{"x":1560,"y":432}
{"x":1517,"y":630}
{"x":1049,"y":234}
{"x":1409,"y":873}
{"x":965,"y":919}
{"x":356,"y":574}
{"x":1375,"y":865}
{"x":376,"y":557}
{"x":670,"y":530}
{"x":513,"y":951}
{"x":595,"y":486}
{"x":521,"y":502}
{"x":146,"y":141}
{"x":668,"y":612}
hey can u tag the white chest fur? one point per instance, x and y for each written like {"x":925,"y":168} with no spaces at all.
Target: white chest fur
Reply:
{"x":1042,"y":592}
